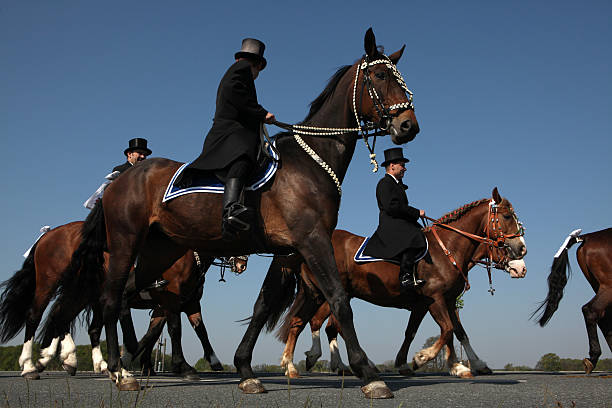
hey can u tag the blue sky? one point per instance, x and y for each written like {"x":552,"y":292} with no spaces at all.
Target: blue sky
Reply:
{"x":511,"y":94}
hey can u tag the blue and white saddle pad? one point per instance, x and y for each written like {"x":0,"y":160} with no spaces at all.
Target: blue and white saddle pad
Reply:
{"x":211,"y":184}
{"x":361,"y":258}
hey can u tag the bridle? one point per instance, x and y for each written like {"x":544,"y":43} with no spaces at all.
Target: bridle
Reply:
{"x":381,"y":127}
{"x":495,"y":241}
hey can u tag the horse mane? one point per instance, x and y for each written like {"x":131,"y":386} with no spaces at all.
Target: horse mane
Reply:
{"x":316,"y":105}
{"x":460,"y":212}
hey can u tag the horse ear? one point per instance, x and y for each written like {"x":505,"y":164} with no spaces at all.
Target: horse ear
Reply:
{"x":397,"y":55}
{"x":369,"y":43}
{"x":496,"y":197}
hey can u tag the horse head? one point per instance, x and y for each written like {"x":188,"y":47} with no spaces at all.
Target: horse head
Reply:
{"x":510,"y":230}
{"x":388,"y":104}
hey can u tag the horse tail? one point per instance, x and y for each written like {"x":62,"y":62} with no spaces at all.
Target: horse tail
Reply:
{"x":285,"y":295}
{"x":80,"y":282}
{"x":283,"y":332}
{"x":17,"y":298}
{"x":560,"y":271}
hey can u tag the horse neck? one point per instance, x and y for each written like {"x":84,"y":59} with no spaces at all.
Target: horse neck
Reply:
{"x":337,"y":112}
{"x":461,"y":247}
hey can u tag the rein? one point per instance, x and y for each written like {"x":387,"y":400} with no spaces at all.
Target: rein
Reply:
{"x":380,"y":128}
{"x":494,"y":239}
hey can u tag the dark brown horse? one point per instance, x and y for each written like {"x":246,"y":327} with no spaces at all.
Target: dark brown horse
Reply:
{"x":594,"y":256}
{"x":27,"y":294}
{"x":296,"y":211}
{"x":377,"y":283}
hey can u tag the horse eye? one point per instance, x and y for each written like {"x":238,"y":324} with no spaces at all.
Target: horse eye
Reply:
{"x":507,"y":216}
{"x":380,"y":75}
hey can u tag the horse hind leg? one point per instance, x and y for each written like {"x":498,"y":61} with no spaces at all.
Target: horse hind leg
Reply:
{"x":68,"y":355}
{"x":440,"y":314}
{"x":195,"y":318}
{"x":401,"y":360}
{"x":316,"y":322}
{"x":95,"y":331}
{"x":179,"y":364}
{"x":29,"y":370}
{"x":335,"y":360}
{"x":593,"y":312}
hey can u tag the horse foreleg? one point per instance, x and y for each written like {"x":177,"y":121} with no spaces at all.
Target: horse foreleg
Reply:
{"x":439,"y":312}
{"x":455,"y":367}
{"x":318,"y":254}
{"x":147,"y":343}
{"x":401,"y":360}
{"x":195,"y":319}
{"x":46,"y":354}
{"x":42,"y":296}
{"x":478,"y":366}
{"x":593,"y":312}
{"x":29,"y":371}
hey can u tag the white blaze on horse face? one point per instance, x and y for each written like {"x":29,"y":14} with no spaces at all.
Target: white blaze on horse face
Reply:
{"x":68,"y":351}
{"x":98,"y":361}
{"x":25,"y":359}
{"x":517,"y":268}
{"x":48,"y":353}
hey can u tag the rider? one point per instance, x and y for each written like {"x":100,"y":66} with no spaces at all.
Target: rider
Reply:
{"x":231,"y":146}
{"x":137,"y":151}
{"x":398,"y":236}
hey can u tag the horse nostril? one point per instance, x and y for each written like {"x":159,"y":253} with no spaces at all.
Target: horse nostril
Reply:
{"x":406,"y":125}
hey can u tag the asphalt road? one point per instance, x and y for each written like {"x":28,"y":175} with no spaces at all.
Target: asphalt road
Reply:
{"x":502,"y":389}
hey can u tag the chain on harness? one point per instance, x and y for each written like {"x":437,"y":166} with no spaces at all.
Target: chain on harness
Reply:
{"x":379,"y":128}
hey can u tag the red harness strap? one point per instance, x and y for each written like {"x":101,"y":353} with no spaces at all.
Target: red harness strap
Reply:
{"x":450,"y":257}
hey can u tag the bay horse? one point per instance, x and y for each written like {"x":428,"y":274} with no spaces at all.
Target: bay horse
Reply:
{"x":594,"y":257}
{"x":377,"y":283}
{"x":296,"y":211}
{"x":27,"y":294}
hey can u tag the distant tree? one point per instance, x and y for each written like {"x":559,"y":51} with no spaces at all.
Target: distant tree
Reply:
{"x":510,"y":367}
{"x":549,"y":362}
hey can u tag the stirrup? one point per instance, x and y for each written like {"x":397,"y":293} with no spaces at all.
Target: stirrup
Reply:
{"x":158,"y":284}
{"x":237,"y":216}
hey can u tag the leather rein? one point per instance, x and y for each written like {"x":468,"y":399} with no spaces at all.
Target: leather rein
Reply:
{"x":494,"y":239}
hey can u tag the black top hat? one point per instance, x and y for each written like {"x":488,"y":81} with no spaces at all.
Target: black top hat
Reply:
{"x":394,"y":154}
{"x":138,"y":143}
{"x":252,"y":48}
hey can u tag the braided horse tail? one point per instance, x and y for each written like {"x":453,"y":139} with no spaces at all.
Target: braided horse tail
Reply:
{"x":557,"y":279}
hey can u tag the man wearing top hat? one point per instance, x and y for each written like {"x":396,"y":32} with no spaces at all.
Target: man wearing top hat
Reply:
{"x":231,"y":146}
{"x":398,"y":236}
{"x":137,"y":151}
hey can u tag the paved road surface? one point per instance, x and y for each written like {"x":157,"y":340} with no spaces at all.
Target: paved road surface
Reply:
{"x":502,"y":389}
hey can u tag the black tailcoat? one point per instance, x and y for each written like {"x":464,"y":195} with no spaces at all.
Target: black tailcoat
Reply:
{"x":398,"y":228}
{"x":122,"y":167}
{"x":235,"y":130}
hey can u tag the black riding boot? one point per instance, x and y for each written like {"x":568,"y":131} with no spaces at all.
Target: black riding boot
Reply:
{"x":407,"y":277}
{"x":236,"y":216}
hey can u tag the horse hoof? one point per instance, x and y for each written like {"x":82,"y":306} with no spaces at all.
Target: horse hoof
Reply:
{"x":465,"y":374}
{"x":128,"y":384}
{"x":376,"y":390}
{"x":407,"y":372}
{"x":32,"y":375}
{"x":252,"y":386}
{"x":293,"y":374}
{"x":483,"y":371}
{"x":39,"y":367}
{"x":69,"y":369}
{"x":217,"y":367}
{"x":588,"y":366}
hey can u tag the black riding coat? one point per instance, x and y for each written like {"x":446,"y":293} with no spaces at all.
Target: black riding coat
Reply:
{"x":122,"y":167}
{"x":398,"y":229}
{"x":235,"y":130}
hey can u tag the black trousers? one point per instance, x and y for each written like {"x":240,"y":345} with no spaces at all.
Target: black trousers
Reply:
{"x":407,"y":259}
{"x":240,"y":169}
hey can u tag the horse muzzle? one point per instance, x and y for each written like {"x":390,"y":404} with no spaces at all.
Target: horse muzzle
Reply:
{"x":516,"y":268}
{"x":403,"y":129}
